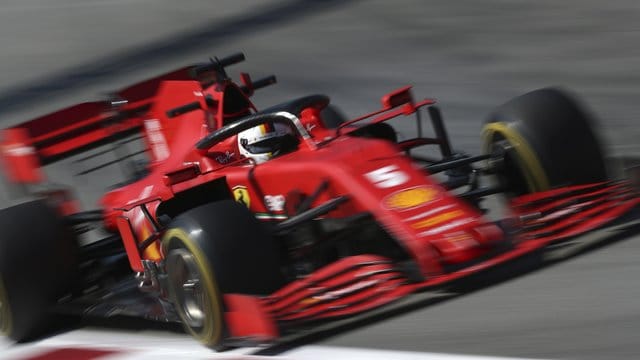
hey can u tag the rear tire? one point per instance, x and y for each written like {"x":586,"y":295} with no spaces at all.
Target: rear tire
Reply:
{"x":38,"y":264}
{"x":548,"y":141}
{"x":332,"y":117}
{"x":215,"y":249}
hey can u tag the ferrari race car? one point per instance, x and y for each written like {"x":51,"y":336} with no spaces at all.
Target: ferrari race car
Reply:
{"x":244,"y":224}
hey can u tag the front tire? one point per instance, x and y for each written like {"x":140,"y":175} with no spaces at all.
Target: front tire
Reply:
{"x":194,"y":291}
{"x":212,"y":250}
{"x":545,"y":140}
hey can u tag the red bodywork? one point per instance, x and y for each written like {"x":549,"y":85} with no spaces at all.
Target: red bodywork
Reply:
{"x":437,"y":229}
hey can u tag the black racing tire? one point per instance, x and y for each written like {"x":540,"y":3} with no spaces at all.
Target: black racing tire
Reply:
{"x":215,"y":249}
{"x":332,"y":117}
{"x":382,"y":131}
{"x":548,"y":141}
{"x":38,"y":265}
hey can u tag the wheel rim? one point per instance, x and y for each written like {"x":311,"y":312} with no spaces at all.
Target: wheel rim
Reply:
{"x":531,"y":167}
{"x":5,"y":313}
{"x":189,"y":295}
{"x":184,"y":261}
{"x":510,"y":171}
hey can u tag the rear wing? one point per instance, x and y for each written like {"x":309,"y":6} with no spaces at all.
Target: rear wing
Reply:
{"x":53,"y":137}
{"x":25,"y":148}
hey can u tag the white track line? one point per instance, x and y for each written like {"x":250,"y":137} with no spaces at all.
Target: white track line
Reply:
{"x":160,"y":346}
{"x":314,"y":352}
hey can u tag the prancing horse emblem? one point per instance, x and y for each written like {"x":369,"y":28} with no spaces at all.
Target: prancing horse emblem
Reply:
{"x":241,"y":194}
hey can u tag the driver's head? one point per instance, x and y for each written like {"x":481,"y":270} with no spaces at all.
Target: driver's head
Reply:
{"x":265,"y":141}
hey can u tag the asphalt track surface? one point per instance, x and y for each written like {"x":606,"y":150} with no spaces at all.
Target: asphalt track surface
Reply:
{"x":470,"y":55}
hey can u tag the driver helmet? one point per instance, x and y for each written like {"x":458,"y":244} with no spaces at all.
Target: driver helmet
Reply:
{"x":265,"y":141}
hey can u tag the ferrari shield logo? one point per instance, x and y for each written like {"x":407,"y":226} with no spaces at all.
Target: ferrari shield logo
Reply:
{"x":241,"y":194}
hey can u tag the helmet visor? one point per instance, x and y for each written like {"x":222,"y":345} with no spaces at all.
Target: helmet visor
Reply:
{"x":264,"y":146}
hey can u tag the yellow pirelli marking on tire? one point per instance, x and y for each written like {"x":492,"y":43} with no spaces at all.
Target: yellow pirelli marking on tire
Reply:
{"x":5,"y":311}
{"x":533,"y":171}
{"x":212,"y":328}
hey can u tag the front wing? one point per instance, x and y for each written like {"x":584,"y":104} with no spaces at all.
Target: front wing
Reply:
{"x":355,"y":284}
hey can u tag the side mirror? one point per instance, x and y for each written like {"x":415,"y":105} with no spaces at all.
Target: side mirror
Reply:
{"x":397,"y":97}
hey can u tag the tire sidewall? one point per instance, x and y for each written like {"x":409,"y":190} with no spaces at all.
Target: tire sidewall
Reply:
{"x":234,"y":253}
{"x":38,"y":265}
{"x":212,"y":331}
{"x":559,"y":134}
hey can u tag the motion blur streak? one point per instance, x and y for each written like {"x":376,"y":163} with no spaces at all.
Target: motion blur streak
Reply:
{"x":470,"y":54}
{"x":81,"y":346}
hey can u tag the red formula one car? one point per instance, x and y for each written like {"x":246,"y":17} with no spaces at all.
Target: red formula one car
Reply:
{"x":243,"y":224}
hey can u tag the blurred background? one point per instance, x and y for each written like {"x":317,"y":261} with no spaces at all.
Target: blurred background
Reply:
{"x":468,"y":54}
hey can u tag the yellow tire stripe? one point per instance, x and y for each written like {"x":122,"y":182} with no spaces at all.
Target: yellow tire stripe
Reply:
{"x":212,"y":329}
{"x":533,"y":171}
{"x":5,"y":312}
